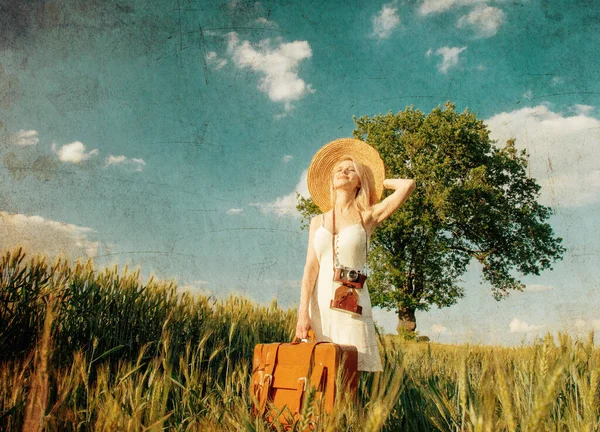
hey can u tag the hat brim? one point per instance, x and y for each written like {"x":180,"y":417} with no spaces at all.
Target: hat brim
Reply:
{"x":325,"y":159}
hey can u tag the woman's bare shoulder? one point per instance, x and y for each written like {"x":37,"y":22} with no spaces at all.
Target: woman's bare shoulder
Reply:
{"x":315,"y":221}
{"x":321,"y":217}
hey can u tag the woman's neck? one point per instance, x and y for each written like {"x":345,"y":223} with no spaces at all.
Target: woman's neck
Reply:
{"x":344,"y":202}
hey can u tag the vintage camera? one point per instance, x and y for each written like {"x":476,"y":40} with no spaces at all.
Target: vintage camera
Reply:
{"x":349,"y":277}
{"x":345,"y":299}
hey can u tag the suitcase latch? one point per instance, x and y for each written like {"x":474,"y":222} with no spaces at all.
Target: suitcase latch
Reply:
{"x":303,"y":379}
{"x":265,"y":376}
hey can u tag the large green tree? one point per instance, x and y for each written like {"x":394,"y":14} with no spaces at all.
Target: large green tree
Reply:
{"x":473,"y":200}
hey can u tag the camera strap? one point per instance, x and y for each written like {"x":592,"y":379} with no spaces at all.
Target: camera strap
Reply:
{"x":333,"y":254}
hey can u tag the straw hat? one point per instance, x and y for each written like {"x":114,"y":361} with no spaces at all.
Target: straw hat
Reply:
{"x":323,"y":162}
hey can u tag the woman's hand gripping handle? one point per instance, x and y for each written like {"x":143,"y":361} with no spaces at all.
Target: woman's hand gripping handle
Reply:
{"x":303,"y":326}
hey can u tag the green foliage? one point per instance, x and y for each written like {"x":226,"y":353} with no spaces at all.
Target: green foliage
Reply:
{"x":307,"y":209}
{"x":97,"y":311}
{"x":204,"y":385}
{"x":473,"y":200}
{"x":405,"y":334}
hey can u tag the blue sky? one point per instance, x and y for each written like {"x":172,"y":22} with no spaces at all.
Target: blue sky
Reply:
{"x":173,"y":135}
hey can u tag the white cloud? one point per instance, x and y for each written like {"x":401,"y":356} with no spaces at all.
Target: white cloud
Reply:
{"x":266,"y":22}
{"x":74,"y":152}
{"x":139,"y":163}
{"x":26,"y":138}
{"x":582,"y":109}
{"x":195,"y":287}
{"x":437,"y":6}
{"x":212,"y":58}
{"x":136,"y":163}
{"x":287,"y":158}
{"x":286,"y":205}
{"x":114,"y":160}
{"x":449,"y":57}
{"x":538,"y":288}
{"x":429,"y":52}
{"x":580,"y":324}
{"x":528,"y":95}
{"x":38,"y":235}
{"x":282,"y":115}
{"x":485,"y":20}
{"x":440,"y":329}
{"x":564,"y":152}
{"x":556,"y":80}
{"x":518,"y":326}
{"x":385,"y":21}
{"x":278,"y":66}
{"x":232,"y":211}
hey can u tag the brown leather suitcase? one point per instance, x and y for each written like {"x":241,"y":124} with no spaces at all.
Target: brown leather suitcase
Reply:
{"x":283,"y":372}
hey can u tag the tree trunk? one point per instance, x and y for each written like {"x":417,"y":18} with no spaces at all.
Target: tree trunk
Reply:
{"x":406,"y":319}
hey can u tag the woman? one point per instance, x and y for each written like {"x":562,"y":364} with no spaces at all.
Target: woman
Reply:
{"x":345,"y":180}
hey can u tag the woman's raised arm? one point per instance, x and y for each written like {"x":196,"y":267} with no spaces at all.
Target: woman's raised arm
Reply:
{"x":402,"y":190}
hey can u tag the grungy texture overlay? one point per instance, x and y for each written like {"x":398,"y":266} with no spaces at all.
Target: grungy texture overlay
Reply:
{"x":172,"y":135}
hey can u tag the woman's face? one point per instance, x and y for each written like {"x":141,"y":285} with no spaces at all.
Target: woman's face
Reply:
{"x":345,"y":176}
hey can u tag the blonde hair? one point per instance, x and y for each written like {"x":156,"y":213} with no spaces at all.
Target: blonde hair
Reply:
{"x":362,"y":199}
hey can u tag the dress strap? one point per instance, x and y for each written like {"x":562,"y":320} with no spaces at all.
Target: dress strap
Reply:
{"x":362,"y":222}
{"x":333,"y":240}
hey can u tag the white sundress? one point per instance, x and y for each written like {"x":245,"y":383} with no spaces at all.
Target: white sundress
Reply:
{"x":335,"y":326}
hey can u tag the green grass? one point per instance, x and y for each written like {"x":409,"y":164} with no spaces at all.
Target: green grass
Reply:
{"x":87,"y":349}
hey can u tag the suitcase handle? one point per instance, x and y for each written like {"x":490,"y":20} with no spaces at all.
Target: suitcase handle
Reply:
{"x":311,"y":338}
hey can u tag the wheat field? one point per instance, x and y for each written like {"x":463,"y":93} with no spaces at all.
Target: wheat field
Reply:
{"x":100,"y":350}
